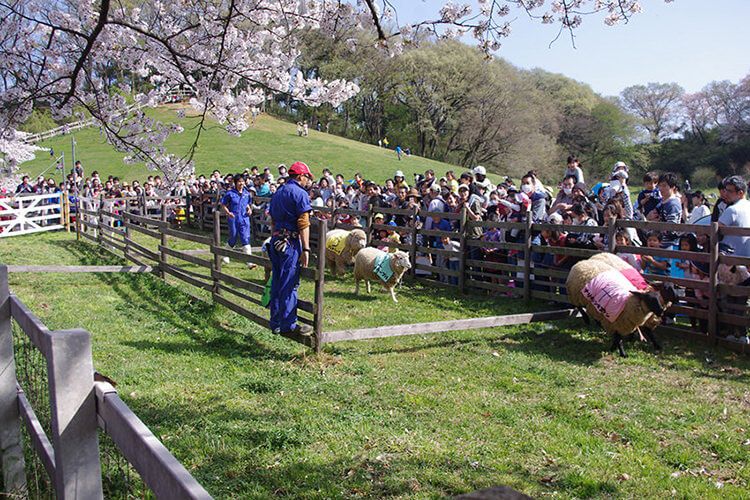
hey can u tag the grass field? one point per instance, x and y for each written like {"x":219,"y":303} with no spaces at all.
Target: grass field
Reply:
{"x":545,"y":410}
{"x":267,"y":144}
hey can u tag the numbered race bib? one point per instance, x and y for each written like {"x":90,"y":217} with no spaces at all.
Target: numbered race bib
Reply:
{"x":336,"y":243}
{"x":383,"y":267}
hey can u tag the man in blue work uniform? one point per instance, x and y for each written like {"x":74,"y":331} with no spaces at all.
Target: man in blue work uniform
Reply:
{"x":290,"y":248}
{"x":236,"y":206}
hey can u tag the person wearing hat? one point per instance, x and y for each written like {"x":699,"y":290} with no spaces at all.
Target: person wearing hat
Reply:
{"x":399,"y":180}
{"x":618,"y":189}
{"x":289,"y":209}
{"x":481,"y":180}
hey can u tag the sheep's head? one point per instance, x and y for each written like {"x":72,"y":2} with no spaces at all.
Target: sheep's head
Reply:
{"x":658,"y":299}
{"x":666,"y":291}
{"x":357,"y":240}
{"x":732,"y":275}
{"x":400,"y":260}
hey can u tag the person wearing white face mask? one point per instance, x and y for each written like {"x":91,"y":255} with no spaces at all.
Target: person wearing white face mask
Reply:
{"x":618,"y":189}
{"x":538,"y":198}
{"x":565,"y":199}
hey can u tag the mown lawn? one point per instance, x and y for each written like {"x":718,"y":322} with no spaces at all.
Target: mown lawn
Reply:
{"x":547,"y":411}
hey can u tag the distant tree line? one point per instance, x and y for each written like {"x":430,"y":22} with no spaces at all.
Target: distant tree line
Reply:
{"x":445,"y":101}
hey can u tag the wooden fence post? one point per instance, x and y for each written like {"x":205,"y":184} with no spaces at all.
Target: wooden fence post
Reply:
{"x":527,"y":260}
{"x":11,"y":447}
{"x":370,"y":220}
{"x":319,"y":285}
{"x":162,"y":253}
{"x":713,"y":305}
{"x":188,"y":210}
{"x":413,"y":249}
{"x":78,"y":217}
{"x":70,"y":370}
{"x":611,"y":235}
{"x":125,"y":223}
{"x":217,"y":257}
{"x":65,"y":210}
{"x":99,"y":220}
{"x":462,"y":245}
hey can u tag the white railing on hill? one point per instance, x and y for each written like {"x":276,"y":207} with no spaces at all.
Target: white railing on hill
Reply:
{"x":171,"y":97}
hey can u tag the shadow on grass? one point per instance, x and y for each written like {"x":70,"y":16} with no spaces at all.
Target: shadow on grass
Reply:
{"x":563,"y":342}
{"x":180,"y":310}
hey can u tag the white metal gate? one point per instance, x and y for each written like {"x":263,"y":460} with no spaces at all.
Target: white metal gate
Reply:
{"x":31,"y":213}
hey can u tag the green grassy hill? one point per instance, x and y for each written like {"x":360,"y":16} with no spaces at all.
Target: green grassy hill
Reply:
{"x":267,"y":144}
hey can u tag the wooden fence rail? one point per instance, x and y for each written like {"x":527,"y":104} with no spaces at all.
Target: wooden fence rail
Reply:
{"x":67,"y":443}
{"x":517,"y":265}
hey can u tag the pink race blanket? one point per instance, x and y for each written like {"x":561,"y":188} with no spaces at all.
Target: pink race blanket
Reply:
{"x":635,"y":278}
{"x":609,"y":292}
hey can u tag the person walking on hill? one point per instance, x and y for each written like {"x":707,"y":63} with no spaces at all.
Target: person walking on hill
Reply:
{"x":236,"y":206}
{"x":289,"y":209}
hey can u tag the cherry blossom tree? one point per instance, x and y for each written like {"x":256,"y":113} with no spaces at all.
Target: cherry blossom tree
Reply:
{"x":229,"y":54}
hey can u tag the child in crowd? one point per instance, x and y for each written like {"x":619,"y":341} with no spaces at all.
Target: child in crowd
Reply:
{"x":451,"y":261}
{"x":622,"y":238}
{"x":649,"y":197}
{"x":652,"y":264}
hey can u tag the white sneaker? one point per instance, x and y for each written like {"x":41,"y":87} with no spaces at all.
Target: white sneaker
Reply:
{"x":225,"y":260}
{"x":250,"y":265}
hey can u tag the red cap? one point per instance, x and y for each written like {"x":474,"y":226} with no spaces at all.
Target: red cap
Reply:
{"x":300,"y":168}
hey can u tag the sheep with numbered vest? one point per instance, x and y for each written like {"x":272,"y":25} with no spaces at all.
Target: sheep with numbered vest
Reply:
{"x":615,"y":294}
{"x":342,"y":247}
{"x":376,"y":265}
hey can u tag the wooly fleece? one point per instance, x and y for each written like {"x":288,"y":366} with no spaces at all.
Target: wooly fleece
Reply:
{"x":635,"y":314}
{"x":356,"y":240}
{"x":364,"y":268}
{"x":732,"y":275}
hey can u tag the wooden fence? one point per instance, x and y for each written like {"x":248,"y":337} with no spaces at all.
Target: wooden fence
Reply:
{"x":47,"y":386}
{"x":513,"y":267}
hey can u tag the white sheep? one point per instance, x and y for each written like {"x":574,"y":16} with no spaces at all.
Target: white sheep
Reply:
{"x":387,"y":268}
{"x":642,"y":309}
{"x":342,"y":247}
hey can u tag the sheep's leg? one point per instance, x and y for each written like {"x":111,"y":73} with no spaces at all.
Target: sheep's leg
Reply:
{"x":356,"y":288}
{"x":649,"y":334}
{"x":584,"y":315}
{"x":617,"y":344}
{"x":367,"y":282}
{"x":393,"y":295}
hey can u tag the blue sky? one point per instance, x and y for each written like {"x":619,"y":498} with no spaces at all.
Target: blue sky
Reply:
{"x":690,"y":42}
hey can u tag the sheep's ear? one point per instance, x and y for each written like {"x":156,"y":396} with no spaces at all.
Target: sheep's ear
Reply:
{"x":733,"y":269}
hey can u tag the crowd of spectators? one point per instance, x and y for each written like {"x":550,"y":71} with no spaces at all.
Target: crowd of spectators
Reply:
{"x":660,"y":197}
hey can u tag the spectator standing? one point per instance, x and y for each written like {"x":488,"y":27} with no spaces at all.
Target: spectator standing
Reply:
{"x":649,"y":197}
{"x":669,"y":209}
{"x":699,"y":205}
{"x":290,"y":211}
{"x":565,"y":199}
{"x":737,"y":214}
{"x":574,"y":169}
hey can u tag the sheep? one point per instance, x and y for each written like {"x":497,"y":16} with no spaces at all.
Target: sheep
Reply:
{"x":642,"y":309}
{"x":393,"y":264}
{"x":341,"y":248}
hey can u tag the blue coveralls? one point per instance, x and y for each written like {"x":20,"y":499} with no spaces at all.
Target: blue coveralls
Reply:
{"x":239,"y":225}
{"x":286,"y":206}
